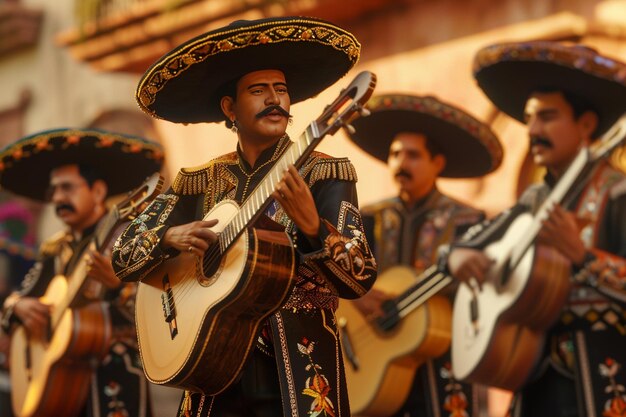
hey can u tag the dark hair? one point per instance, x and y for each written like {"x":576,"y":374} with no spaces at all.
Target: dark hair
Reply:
{"x":229,"y":89}
{"x":580,"y":105}
{"x":90,"y":174}
{"x":432,"y":147}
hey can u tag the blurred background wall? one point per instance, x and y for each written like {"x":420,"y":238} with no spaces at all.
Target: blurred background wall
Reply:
{"x":77,"y":62}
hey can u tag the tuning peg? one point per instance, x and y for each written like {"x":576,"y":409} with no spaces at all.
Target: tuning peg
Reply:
{"x":364,"y":112}
{"x":350,"y":128}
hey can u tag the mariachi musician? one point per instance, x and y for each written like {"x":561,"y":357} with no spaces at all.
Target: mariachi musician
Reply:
{"x":567,"y":96}
{"x":422,"y":138}
{"x":248,"y":74}
{"x":75,"y":170}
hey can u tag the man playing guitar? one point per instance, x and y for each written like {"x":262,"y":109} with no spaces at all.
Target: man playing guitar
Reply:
{"x":567,"y":96}
{"x":76,"y":170}
{"x":260,"y":69}
{"x":422,"y":138}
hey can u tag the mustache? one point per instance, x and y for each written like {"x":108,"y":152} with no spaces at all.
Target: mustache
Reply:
{"x":272,"y":108}
{"x":64,"y":206}
{"x":541,"y":141}
{"x":403,"y":173}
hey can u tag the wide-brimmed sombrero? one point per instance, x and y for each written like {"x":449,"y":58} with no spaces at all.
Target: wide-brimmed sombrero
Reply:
{"x":124,"y":161}
{"x":509,"y":72}
{"x":186,"y":84}
{"x":470,"y":147}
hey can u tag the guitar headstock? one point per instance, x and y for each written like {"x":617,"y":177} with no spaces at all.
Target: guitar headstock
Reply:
{"x":610,"y":140}
{"x":135,"y":200}
{"x":348,"y":105}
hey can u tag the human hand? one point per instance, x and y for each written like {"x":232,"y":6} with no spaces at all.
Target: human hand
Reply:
{"x":561,"y":231}
{"x":295,"y":197}
{"x":195,"y":237}
{"x":370,"y":305}
{"x":99,"y":268}
{"x":466,"y":264}
{"x":34,"y":315}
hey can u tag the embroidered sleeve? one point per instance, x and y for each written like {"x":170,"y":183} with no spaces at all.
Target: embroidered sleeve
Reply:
{"x":606,"y":273}
{"x":34,"y":284}
{"x":605,"y":264}
{"x":343,"y":261}
{"x":138,"y":251}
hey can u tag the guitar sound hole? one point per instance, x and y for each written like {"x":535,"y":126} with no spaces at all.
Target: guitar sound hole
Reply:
{"x":210,"y":269}
{"x":507,"y":270}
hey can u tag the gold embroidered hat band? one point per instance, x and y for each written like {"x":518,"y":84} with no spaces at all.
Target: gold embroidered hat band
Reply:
{"x":470,"y":147}
{"x":124,"y":161}
{"x":509,"y":72}
{"x":186,"y":84}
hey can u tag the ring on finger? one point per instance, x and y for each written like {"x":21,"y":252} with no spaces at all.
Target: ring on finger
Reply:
{"x":190,"y":248}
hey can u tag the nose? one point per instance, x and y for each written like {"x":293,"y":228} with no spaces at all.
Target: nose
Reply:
{"x":395,"y":161}
{"x":272,"y":98}
{"x":401,"y":159}
{"x":57,"y":195}
{"x":534,"y":127}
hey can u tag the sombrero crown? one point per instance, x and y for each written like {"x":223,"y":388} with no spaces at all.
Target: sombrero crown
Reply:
{"x":185,"y":85}
{"x":470,"y":147}
{"x":124,"y":161}
{"x":509,"y":72}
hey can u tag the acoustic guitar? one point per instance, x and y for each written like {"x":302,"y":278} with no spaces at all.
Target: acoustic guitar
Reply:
{"x":498,"y":328}
{"x":382,"y":354}
{"x":197,"y":318}
{"x":51,"y":377}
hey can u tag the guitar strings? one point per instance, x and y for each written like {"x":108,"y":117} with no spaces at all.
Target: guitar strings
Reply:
{"x":418,"y":291}
{"x":296,"y":151}
{"x":181,"y":289}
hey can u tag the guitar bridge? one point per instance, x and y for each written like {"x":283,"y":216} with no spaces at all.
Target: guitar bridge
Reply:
{"x":169,"y":308}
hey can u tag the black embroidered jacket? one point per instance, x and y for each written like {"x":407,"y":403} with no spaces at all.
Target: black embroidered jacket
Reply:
{"x":337,"y":264}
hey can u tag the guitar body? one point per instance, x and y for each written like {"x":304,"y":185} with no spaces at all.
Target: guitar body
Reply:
{"x":500,"y":341}
{"x":54,"y":375}
{"x":388,"y":360}
{"x":214,"y":320}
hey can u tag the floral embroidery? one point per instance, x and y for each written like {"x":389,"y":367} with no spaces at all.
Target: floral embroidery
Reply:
{"x":117,"y":407}
{"x":348,"y":253}
{"x":615,"y":406}
{"x":317,"y":386}
{"x":455,"y":401}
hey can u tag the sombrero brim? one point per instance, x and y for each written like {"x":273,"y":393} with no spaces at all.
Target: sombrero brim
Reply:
{"x":509,"y":73}
{"x":124,"y":161}
{"x":185,"y":85}
{"x":470,"y":147}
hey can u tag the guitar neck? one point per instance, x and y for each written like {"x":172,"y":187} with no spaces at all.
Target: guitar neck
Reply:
{"x":296,"y":154}
{"x":75,"y":281}
{"x":430,"y":282}
{"x":562,"y":189}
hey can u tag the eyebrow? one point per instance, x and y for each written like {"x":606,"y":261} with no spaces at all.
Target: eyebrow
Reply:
{"x":542,"y":113}
{"x":266,"y":85}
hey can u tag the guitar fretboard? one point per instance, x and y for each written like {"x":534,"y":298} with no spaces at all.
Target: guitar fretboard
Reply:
{"x":252,"y":207}
{"x":557,"y":195}
{"x":78,"y":275}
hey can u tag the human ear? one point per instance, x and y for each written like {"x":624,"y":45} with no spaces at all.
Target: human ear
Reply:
{"x":440,"y":163}
{"x":99,"y":190}
{"x":588,"y":122}
{"x":227,"y":104}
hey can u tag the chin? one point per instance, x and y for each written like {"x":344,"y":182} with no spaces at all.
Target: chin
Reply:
{"x":278,"y":133}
